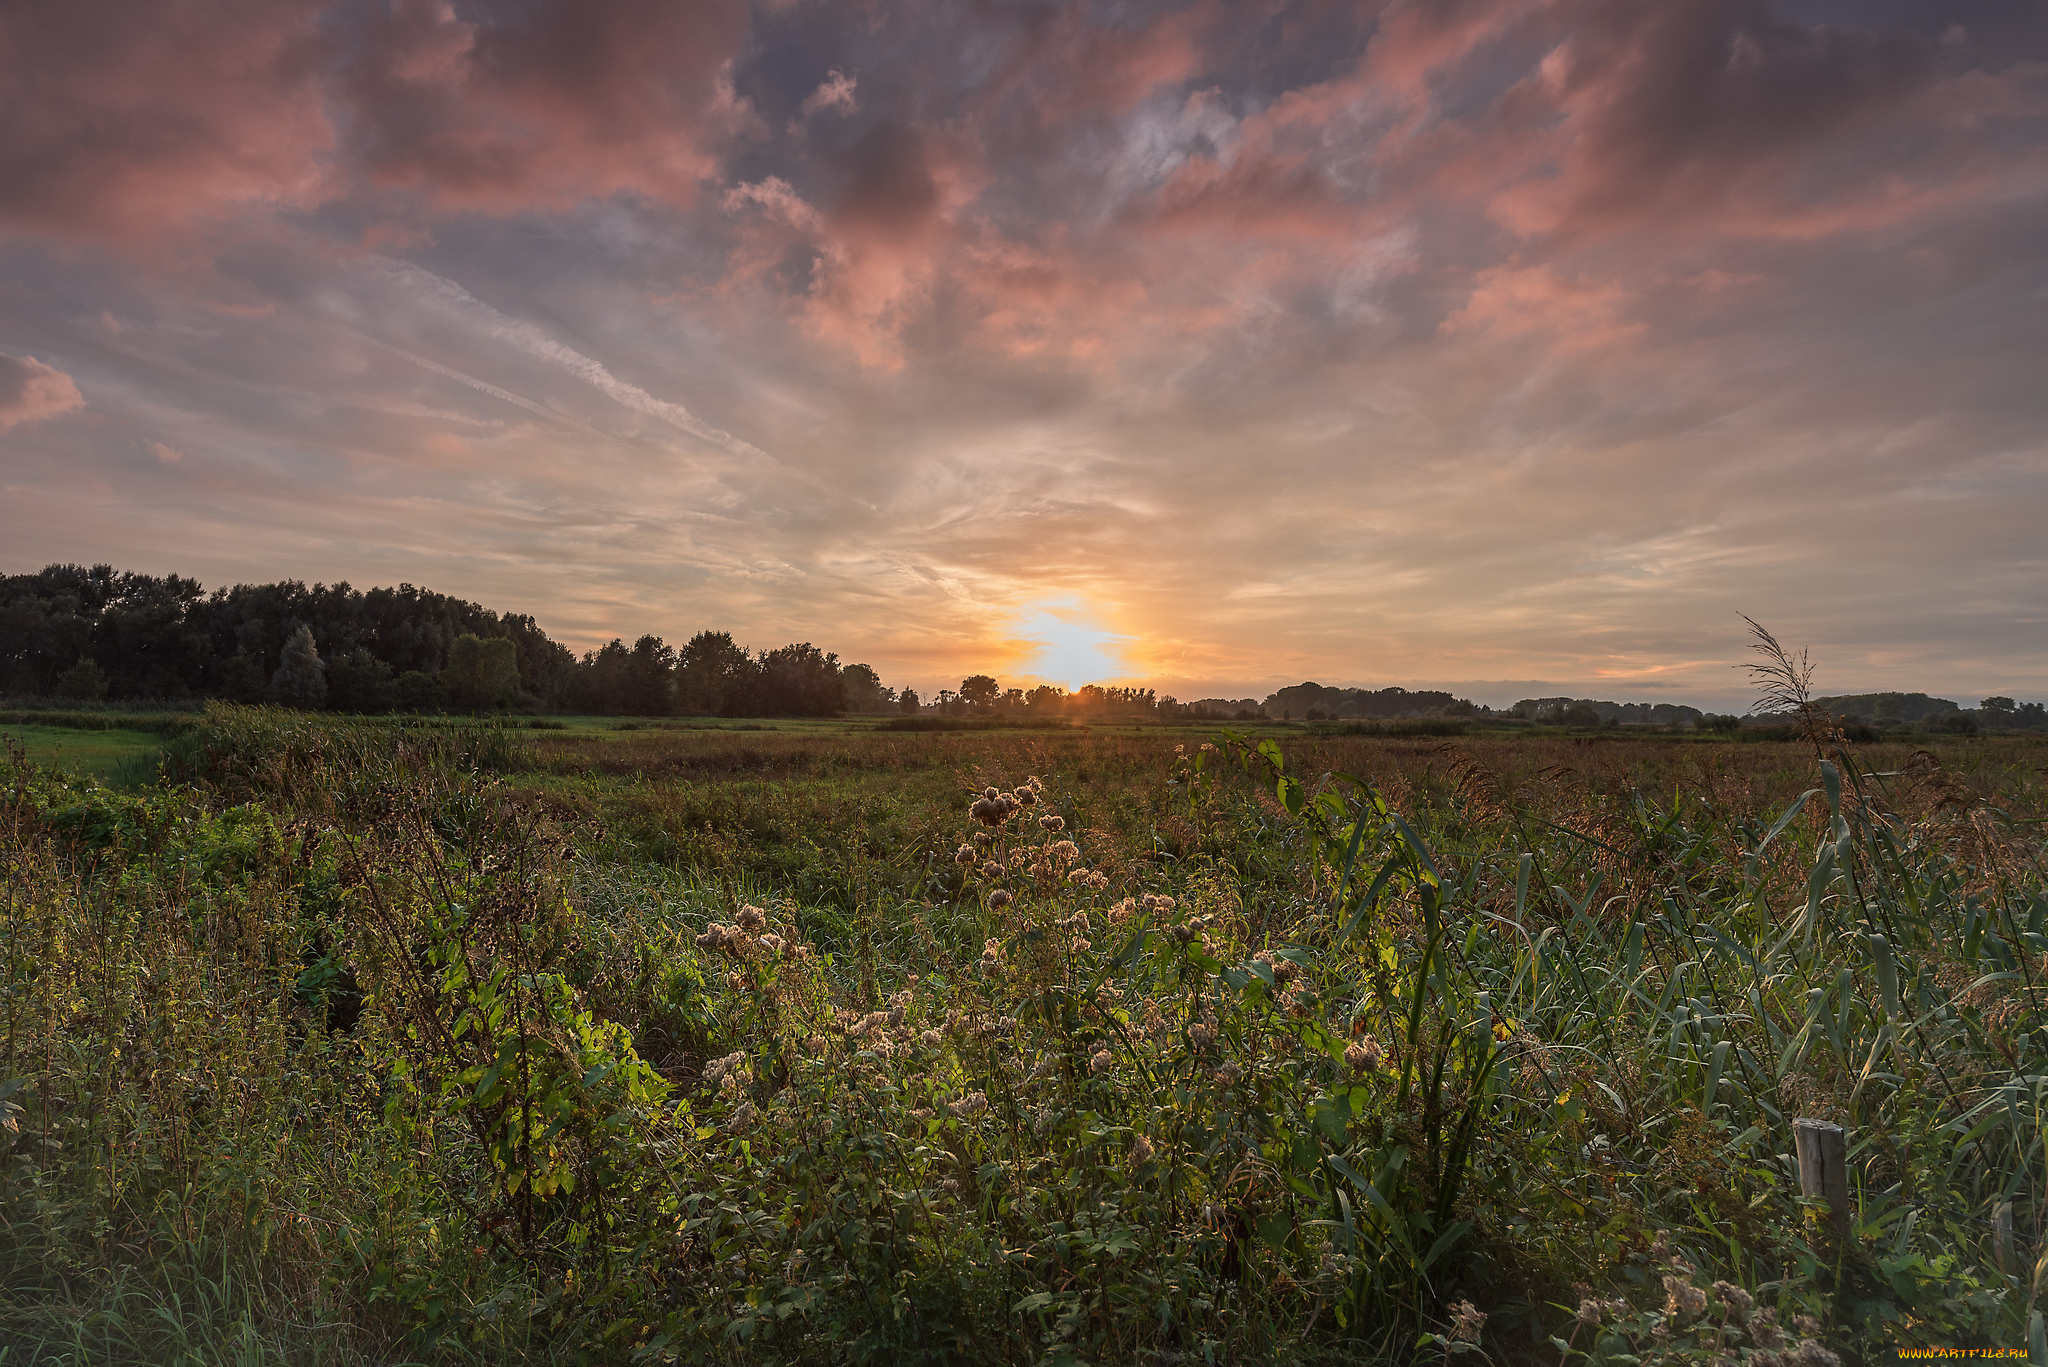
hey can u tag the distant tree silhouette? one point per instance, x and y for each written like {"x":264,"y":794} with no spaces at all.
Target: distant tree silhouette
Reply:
{"x":799,"y":681}
{"x":84,"y":680}
{"x":301,"y":677}
{"x":714,"y":676}
{"x":978,"y":692}
{"x":481,"y":675}
{"x":650,"y":678}
{"x":360,"y":682}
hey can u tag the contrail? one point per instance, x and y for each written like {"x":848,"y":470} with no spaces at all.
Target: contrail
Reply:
{"x":534,"y":342}
{"x":483,"y":386}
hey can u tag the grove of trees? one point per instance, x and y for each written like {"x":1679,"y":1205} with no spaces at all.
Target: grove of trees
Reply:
{"x":91,"y":634}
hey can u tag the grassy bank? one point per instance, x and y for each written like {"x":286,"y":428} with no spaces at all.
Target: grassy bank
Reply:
{"x":452,"y":1043}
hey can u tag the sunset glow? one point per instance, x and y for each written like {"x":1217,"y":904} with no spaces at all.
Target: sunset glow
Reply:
{"x":1514,"y":345}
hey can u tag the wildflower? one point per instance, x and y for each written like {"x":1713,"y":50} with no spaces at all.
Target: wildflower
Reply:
{"x":1122,"y":911}
{"x":1201,"y":1033}
{"x":951,"y":1186}
{"x":1163,"y":903}
{"x":716,"y":1070}
{"x":991,"y":793}
{"x":1053,"y":823}
{"x":974,"y":1103}
{"x":1077,"y":876}
{"x":991,"y":954}
{"x":1228,"y":1074}
{"x":1083,"y":946}
{"x":1150,"y":1018}
{"x":751,"y":919}
{"x":1682,"y":1297}
{"x":1098,"y":880}
{"x":964,"y":855}
{"x":1102,"y":1061}
{"x":931,"y":1039}
{"x":775,"y":943}
{"x":1363,"y":1055}
{"x":1765,"y":1330}
{"x":735,"y":982}
{"x":922,"y":1114}
{"x":1811,"y":1354}
{"x":998,"y":899}
{"x":1141,"y":1151}
{"x":722,"y":939}
{"x":1027,"y":796}
{"x":1590,"y":1311}
{"x":1043,"y":1068}
{"x":991,"y":870}
{"x":1806,"y":1324}
{"x":1063,"y":849}
{"x":1738,"y":1301}
{"x":1466,"y":1322}
{"x":741,"y":1119}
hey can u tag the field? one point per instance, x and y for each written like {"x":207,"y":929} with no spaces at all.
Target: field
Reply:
{"x":117,"y":756}
{"x":377,"y":1041}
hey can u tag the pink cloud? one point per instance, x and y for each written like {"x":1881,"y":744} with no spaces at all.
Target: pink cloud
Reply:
{"x":32,"y":392}
{"x":542,"y":105}
{"x":126,"y":118}
{"x":835,"y":93}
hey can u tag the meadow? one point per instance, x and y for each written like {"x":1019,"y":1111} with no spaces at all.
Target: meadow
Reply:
{"x":380,"y":1041}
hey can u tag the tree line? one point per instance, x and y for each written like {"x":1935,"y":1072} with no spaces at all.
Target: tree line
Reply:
{"x":98,"y":633}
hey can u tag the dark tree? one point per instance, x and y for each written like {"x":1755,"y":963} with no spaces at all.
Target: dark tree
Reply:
{"x":301,"y":677}
{"x":714,"y":677}
{"x":978,"y":692}
{"x":650,"y":678}
{"x":799,"y":681}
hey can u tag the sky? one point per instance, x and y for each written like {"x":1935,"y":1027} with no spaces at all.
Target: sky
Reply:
{"x":1511,"y":345}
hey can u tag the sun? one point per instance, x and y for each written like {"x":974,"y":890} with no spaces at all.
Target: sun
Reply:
{"x":1067,"y":647}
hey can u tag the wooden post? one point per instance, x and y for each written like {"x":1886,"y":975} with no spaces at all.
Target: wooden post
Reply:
{"x":1824,"y":1168}
{"x":2001,"y":1237}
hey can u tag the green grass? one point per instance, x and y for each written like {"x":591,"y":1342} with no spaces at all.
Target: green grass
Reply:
{"x":456,"y":1042}
{"x":119,"y":756}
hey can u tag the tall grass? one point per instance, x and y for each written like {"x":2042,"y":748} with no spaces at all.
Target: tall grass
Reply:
{"x":440,"y":1043}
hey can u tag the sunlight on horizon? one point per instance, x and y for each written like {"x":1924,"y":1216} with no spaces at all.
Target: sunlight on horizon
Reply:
{"x":1071,"y":649}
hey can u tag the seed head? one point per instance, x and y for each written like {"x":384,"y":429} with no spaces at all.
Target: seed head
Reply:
{"x":974,"y":1103}
{"x":991,"y":869}
{"x":1362,"y":1055}
{"x":1466,"y":1322}
{"x":991,"y":792}
{"x":751,"y":919}
{"x":1738,"y":1301}
{"x":1102,"y":1062}
{"x":1141,"y":1151}
{"x":1053,"y":823}
{"x":998,"y":899}
{"x":1590,"y":1311}
{"x":964,"y":855}
{"x":1681,"y":1297}
{"x":742,"y":1118}
{"x":1228,"y":1074}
